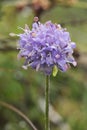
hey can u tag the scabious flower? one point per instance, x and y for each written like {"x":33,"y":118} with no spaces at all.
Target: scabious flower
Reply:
{"x":45,"y":46}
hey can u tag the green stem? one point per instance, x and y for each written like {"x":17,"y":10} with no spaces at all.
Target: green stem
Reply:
{"x":47,"y":124}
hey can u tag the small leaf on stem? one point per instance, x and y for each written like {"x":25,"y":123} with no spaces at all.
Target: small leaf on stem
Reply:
{"x":55,"y":70}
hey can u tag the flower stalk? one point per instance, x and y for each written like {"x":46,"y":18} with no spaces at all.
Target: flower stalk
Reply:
{"x":47,"y":122}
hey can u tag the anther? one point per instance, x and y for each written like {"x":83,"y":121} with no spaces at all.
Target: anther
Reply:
{"x":36,"y":19}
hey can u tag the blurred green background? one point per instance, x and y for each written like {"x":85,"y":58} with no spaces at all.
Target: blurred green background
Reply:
{"x":25,"y":89}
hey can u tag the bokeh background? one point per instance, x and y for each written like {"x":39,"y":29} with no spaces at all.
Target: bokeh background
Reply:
{"x":25,"y":89}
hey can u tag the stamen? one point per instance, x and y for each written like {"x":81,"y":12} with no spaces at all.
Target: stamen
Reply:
{"x":36,"y":19}
{"x":57,"y":56}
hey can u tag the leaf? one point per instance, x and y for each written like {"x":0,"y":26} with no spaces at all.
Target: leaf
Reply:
{"x":55,"y":70}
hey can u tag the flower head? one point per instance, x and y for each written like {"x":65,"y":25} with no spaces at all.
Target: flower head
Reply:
{"x":45,"y":46}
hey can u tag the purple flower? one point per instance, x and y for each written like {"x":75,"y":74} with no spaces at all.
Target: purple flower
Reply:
{"x":45,"y":46}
